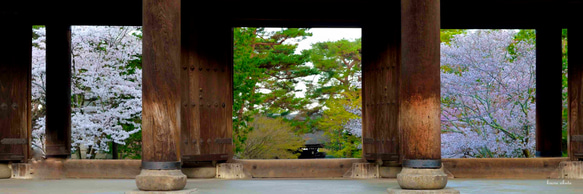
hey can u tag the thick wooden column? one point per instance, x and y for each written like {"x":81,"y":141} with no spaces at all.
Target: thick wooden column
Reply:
{"x":161,"y":84}
{"x":420,"y":84}
{"x":420,"y":98}
{"x":161,"y":95}
{"x":58,"y":94}
{"x":548,"y":92}
{"x":575,"y":79}
{"x":15,"y":69}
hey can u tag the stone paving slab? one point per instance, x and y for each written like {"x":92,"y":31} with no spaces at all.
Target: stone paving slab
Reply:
{"x":185,"y":191}
{"x":291,"y":186}
{"x":398,"y":190}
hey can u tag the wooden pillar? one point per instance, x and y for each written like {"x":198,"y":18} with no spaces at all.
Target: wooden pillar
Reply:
{"x":575,"y":87}
{"x":161,"y":82}
{"x":114,"y":152}
{"x":58,"y":94}
{"x":420,"y":97}
{"x":420,"y":84}
{"x":161,"y":47}
{"x":548,"y":92}
{"x":15,"y":70}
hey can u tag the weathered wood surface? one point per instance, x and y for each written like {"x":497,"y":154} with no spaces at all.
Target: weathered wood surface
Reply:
{"x":548,"y":92}
{"x":58,"y":94}
{"x":575,"y":92}
{"x":420,"y":86}
{"x":207,"y":98}
{"x":380,"y":88}
{"x":15,"y":69}
{"x":161,"y":81}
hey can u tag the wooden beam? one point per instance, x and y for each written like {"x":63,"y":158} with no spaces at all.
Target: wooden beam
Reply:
{"x":15,"y":70}
{"x":456,"y":14}
{"x":58,"y":94}
{"x":420,"y":81}
{"x":548,"y":92}
{"x":161,"y":81}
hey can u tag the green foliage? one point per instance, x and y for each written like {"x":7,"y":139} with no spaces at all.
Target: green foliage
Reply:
{"x":339,"y":64}
{"x":338,"y":92}
{"x":526,"y":35}
{"x":132,"y":66}
{"x":343,"y":144}
{"x":271,"y":139}
{"x":265,"y":73}
{"x":445,"y":35}
{"x":35,"y":35}
{"x":335,"y":116}
{"x":523,"y":35}
{"x":133,"y":145}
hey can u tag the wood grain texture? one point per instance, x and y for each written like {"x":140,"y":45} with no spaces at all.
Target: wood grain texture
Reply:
{"x":575,"y":87}
{"x":58,"y":94}
{"x":420,"y":83}
{"x":161,"y":86}
{"x":548,"y":92}
{"x":207,"y":56}
{"x":380,"y":87}
{"x":15,"y":69}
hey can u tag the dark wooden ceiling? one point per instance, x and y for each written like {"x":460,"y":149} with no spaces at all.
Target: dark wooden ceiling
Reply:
{"x":455,"y":14}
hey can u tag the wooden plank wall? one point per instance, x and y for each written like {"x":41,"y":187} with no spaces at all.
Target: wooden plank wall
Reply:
{"x":207,"y":97}
{"x":380,"y":87}
{"x":15,"y":69}
{"x":575,"y":87}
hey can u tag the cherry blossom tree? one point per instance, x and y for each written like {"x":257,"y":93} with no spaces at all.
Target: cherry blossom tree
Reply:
{"x":106,"y":85}
{"x":488,"y":90}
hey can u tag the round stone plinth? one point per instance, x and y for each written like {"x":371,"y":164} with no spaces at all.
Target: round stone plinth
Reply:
{"x":422,"y":179}
{"x":408,"y":191}
{"x":5,"y":171}
{"x":160,"y":180}
{"x":186,"y":191}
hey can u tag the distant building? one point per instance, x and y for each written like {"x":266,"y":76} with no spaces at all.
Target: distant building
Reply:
{"x":314,"y":141}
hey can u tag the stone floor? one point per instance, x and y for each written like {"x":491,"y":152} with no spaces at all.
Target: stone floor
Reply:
{"x":292,"y":186}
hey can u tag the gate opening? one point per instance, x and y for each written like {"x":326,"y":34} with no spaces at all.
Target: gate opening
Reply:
{"x":106,"y":91}
{"x":297,"y":93}
{"x":489,"y":93}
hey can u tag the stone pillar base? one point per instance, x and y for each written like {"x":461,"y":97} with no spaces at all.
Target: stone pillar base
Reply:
{"x":570,"y":170}
{"x":422,"y":179}
{"x":389,"y":171}
{"x":435,"y":191}
{"x":230,"y":171}
{"x":22,"y":171}
{"x":186,"y":191}
{"x":200,"y":172}
{"x":5,"y":171}
{"x":160,"y":180}
{"x":364,"y":171}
